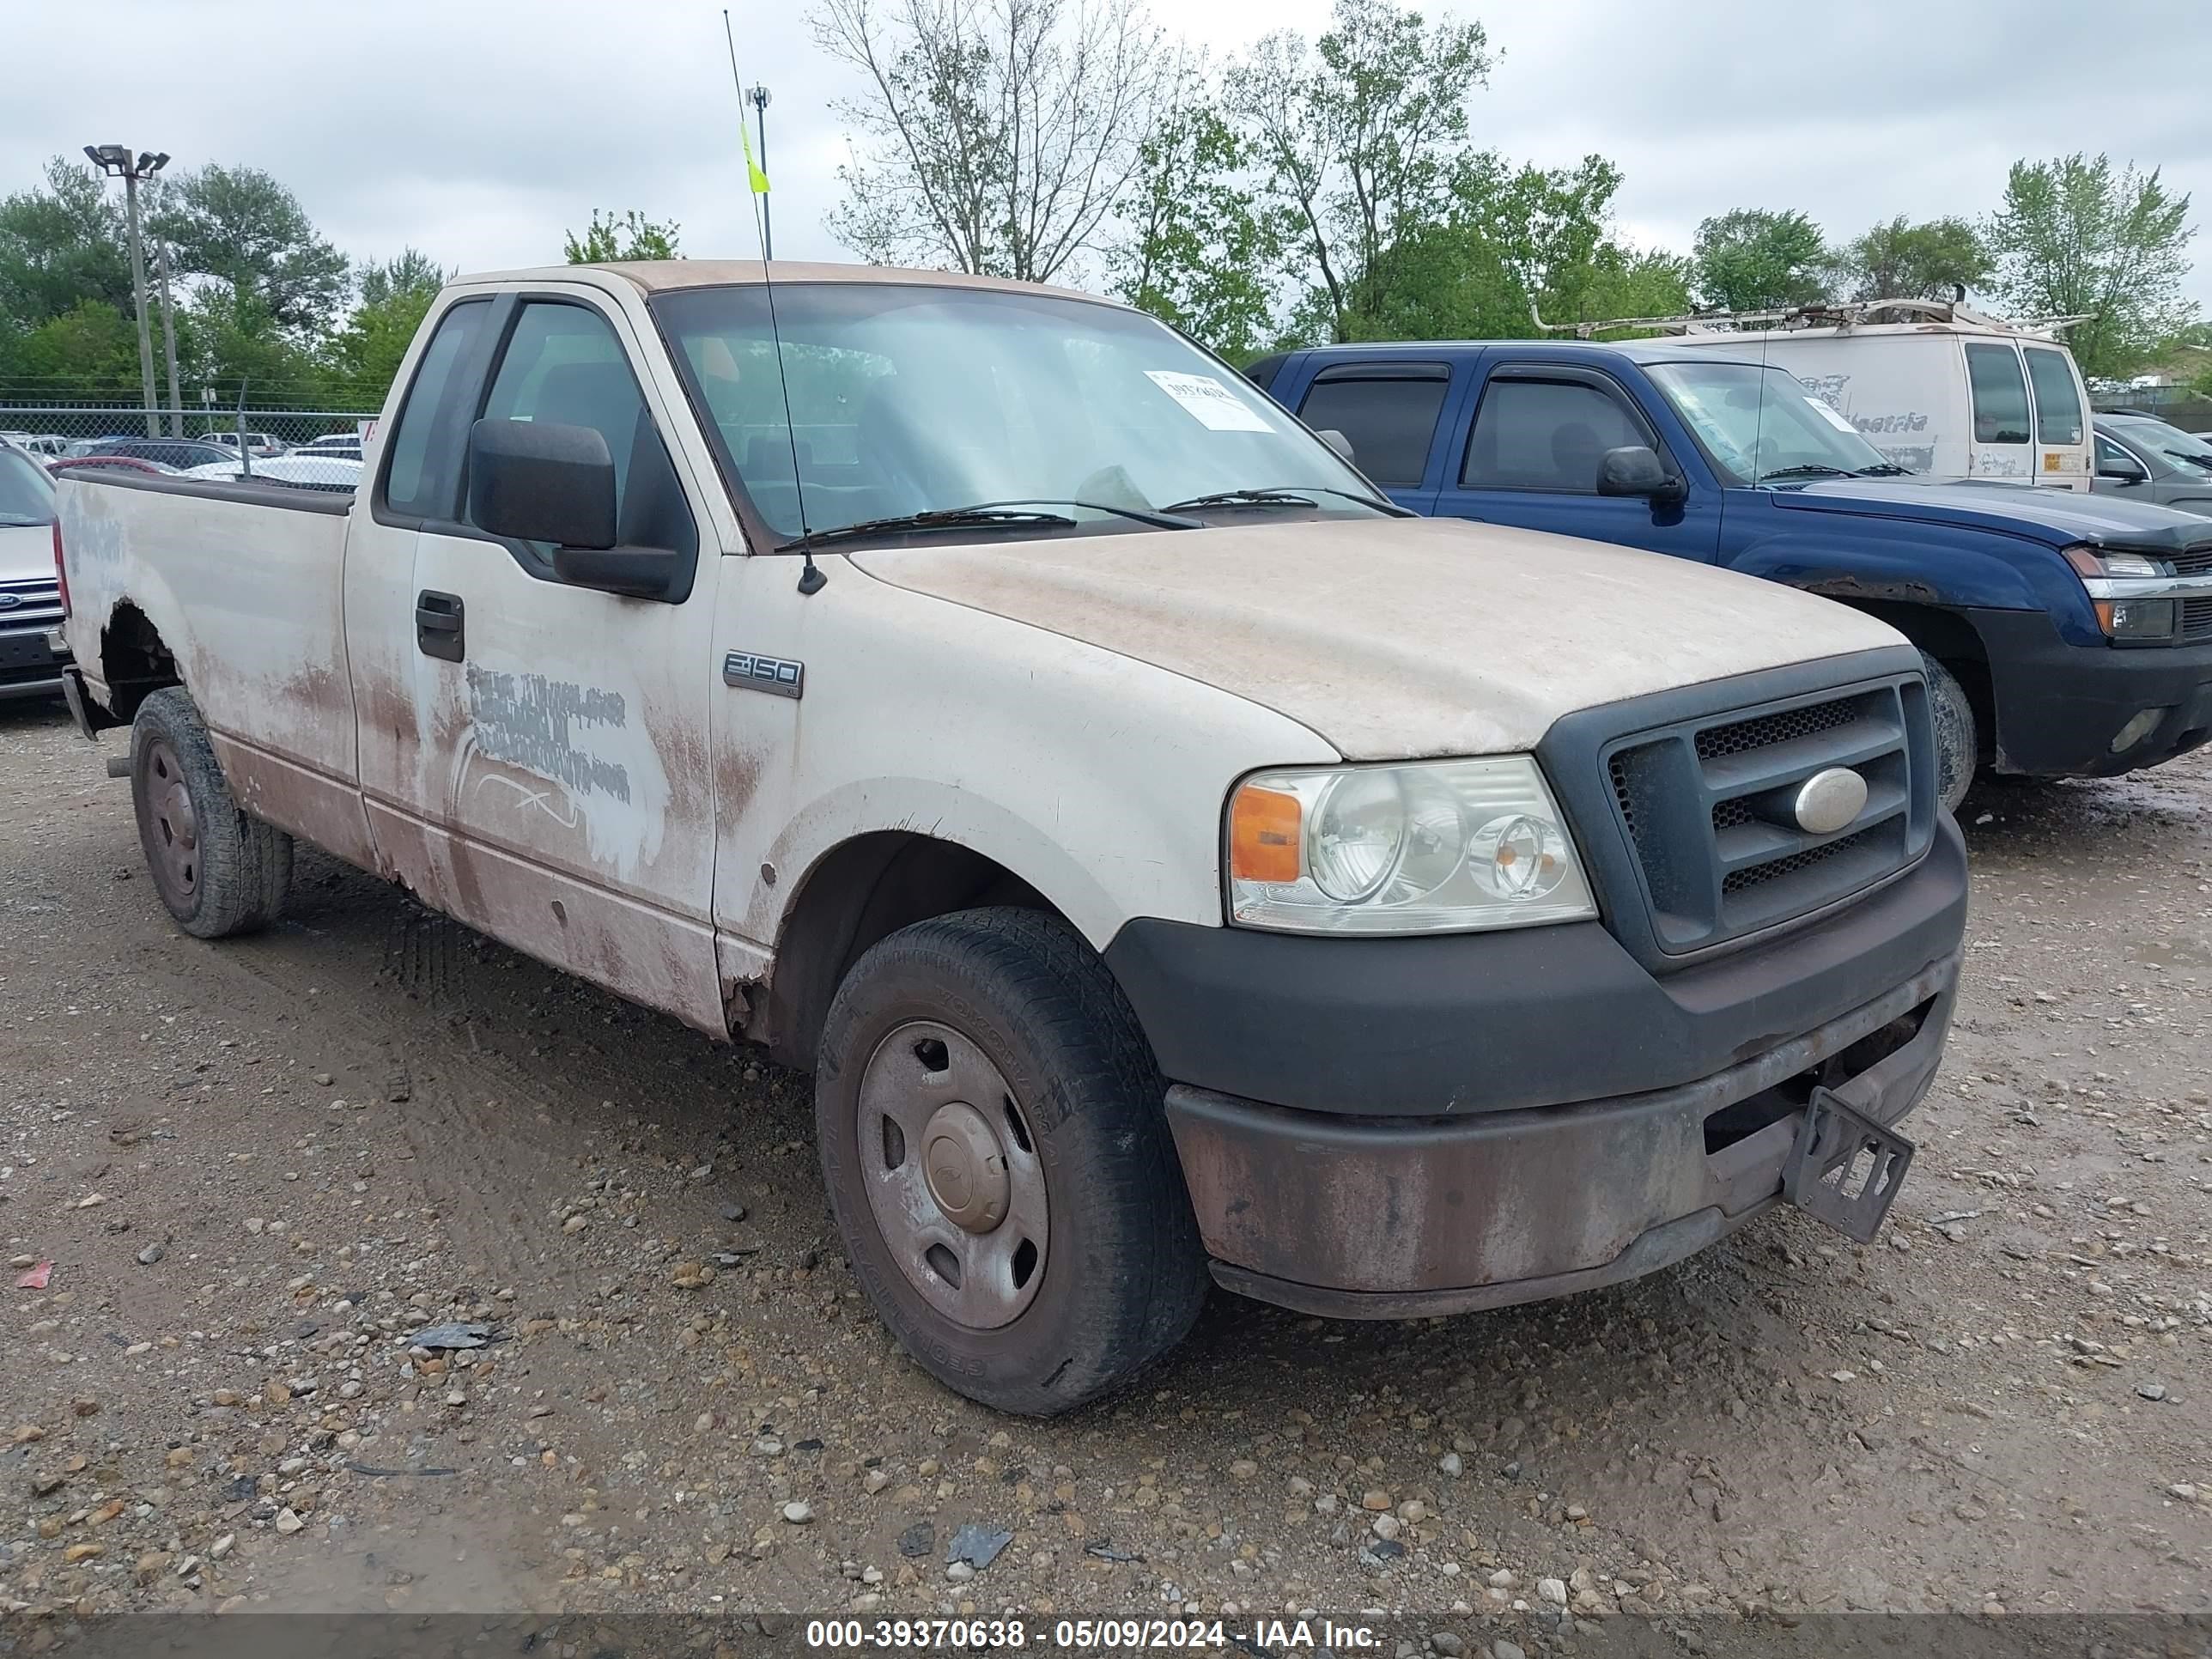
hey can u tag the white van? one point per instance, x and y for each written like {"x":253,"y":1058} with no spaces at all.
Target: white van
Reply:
{"x":1952,"y":393}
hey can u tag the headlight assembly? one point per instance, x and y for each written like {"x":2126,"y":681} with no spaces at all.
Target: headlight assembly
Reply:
{"x":1431,"y":846}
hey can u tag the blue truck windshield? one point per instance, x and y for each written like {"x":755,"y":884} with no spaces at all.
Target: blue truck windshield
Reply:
{"x":1759,"y":425}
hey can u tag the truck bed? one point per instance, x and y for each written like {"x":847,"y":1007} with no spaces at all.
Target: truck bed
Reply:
{"x":261,"y":569}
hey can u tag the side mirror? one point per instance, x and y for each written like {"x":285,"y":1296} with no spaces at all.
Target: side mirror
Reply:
{"x":538,"y":481}
{"x":1633,"y":470}
{"x":1336,"y":440}
{"x":2122,"y":469}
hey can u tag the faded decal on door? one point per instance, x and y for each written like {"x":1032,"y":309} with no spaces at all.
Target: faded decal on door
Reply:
{"x":567,"y":752}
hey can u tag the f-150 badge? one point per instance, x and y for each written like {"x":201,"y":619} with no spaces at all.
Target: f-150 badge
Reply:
{"x":778,"y":675}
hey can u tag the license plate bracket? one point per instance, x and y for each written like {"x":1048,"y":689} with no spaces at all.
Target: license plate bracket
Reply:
{"x":1845,"y":1169}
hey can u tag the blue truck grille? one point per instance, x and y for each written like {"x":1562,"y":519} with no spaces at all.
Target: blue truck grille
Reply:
{"x":2193,"y":562}
{"x":1707,"y":806}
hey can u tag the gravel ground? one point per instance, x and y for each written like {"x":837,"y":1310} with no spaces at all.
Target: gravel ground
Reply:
{"x":257,"y":1168}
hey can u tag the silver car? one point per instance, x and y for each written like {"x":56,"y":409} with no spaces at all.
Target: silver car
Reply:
{"x":2144,"y":458}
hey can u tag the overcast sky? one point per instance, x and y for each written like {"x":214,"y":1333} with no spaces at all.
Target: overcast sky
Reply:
{"x":479,"y":132}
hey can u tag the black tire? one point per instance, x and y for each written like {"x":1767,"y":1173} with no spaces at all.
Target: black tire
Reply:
{"x":1958,"y":743}
{"x":1123,"y":1273}
{"x":218,"y":870}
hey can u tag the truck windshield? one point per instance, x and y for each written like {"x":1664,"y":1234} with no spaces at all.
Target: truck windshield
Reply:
{"x":1759,"y":425}
{"x":907,"y":398}
{"x":27,"y":495}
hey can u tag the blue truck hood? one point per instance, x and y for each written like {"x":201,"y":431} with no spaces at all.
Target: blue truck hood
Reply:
{"x":2058,"y":516}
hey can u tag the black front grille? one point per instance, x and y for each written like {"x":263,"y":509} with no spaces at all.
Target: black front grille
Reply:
{"x":2193,"y":562}
{"x":1709,"y":806}
{"x":2195,"y":619}
{"x":1753,"y":875}
{"x":1717,"y":741}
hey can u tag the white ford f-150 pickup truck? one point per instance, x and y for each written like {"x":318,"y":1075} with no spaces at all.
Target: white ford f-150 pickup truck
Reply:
{"x":1168,"y":857}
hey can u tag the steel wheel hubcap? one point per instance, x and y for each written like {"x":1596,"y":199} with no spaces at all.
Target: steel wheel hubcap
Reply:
{"x":952,"y":1174}
{"x":176,"y":828}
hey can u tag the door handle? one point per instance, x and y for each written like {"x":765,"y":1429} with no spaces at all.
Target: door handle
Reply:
{"x":438,"y":625}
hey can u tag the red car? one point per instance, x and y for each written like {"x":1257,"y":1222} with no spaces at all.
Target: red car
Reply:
{"x":131,"y":462}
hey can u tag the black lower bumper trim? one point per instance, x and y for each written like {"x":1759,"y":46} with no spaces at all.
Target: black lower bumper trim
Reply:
{"x":2060,"y":707}
{"x":1474,"y":1022}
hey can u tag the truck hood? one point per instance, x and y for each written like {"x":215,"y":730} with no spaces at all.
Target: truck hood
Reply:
{"x":27,"y":552}
{"x":2058,"y":516}
{"x":1394,"y":638}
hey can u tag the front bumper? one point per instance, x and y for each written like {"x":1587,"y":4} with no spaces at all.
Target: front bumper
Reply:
{"x":1388,"y":1219}
{"x":2060,"y":707}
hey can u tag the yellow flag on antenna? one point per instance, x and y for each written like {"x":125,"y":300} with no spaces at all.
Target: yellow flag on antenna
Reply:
{"x":753,"y":173}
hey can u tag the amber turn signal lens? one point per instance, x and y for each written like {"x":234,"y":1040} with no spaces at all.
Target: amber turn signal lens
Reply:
{"x":1263,"y":835}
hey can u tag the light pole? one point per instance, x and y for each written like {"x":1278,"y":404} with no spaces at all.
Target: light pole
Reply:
{"x":759,"y":98}
{"x":169,"y":338}
{"x":117,"y":161}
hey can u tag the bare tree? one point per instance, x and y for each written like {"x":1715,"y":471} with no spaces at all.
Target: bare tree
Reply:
{"x":995,"y":135}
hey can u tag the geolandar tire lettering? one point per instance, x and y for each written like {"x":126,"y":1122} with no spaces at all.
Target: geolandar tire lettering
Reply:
{"x":218,"y":870}
{"x":999,"y":1164}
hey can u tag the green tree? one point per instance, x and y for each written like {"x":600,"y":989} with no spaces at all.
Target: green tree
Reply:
{"x":90,"y":350}
{"x":1900,"y":260}
{"x":412,"y":272}
{"x":223,"y":342}
{"x":61,"y":245}
{"x":1199,"y":250}
{"x":1521,"y":242}
{"x":245,"y":238}
{"x":608,"y":239}
{"x":2077,"y":236}
{"x":1357,"y":143}
{"x":364,"y":355}
{"x":1754,"y":259}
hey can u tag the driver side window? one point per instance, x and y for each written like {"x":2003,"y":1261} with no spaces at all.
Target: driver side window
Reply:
{"x":564,"y":365}
{"x":1545,"y":435}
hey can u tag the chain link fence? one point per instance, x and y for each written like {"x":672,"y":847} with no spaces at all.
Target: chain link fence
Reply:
{"x":314,"y":448}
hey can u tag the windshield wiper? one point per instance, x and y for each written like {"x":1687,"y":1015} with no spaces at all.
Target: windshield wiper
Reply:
{"x":1807,"y":469}
{"x":1284,"y":495}
{"x":979,"y":515}
{"x":1881,"y":470}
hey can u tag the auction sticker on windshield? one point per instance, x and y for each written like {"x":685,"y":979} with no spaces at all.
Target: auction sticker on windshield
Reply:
{"x":1211,"y":403}
{"x":1828,"y":413}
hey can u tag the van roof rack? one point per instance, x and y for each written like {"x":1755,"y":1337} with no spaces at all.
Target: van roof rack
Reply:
{"x":1842,"y":314}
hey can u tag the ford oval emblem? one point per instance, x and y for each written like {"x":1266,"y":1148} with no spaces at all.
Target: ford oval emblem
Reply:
{"x":1829,"y":800}
{"x":10,"y":601}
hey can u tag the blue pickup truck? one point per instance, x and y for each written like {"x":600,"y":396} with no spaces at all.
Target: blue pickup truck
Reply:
{"x":2065,"y":634}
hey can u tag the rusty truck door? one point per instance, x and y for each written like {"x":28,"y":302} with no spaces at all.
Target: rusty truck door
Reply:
{"x":551,"y":769}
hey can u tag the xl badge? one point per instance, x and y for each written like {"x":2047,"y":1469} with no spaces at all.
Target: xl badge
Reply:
{"x":784,"y":677}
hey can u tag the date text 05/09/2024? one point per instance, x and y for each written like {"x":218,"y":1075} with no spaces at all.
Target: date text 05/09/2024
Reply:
{"x":1090,"y":1635}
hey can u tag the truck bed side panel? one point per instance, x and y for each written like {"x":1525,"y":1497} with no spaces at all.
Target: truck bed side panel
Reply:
{"x":242,"y":584}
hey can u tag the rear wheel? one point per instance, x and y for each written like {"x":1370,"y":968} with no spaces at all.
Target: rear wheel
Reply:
{"x":1958,"y":747}
{"x":999,"y":1164}
{"x":218,"y":870}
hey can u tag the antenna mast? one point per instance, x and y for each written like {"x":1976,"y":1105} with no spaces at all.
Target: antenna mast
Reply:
{"x":810,"y":579}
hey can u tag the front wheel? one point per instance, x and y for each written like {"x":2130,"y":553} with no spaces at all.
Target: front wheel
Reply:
{"x":998,"y":1162}
{"x":1958,"y":747}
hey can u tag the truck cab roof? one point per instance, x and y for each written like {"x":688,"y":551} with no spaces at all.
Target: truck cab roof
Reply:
{"x":662,"y":276}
